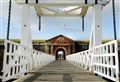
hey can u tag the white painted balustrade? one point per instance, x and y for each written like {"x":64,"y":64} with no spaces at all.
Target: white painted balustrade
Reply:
{"x":41,"y":59}
{"x":102,"y":60}
{"x":19,"y":59}
{"x":105,"y":60}
{"x":81,"y":59}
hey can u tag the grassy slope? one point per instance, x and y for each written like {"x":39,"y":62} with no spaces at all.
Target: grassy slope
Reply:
{"x":104,"y":41}
{"x":17,"y":40}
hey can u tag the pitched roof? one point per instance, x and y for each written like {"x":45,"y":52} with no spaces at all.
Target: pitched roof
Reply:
{"x":56,"y":38}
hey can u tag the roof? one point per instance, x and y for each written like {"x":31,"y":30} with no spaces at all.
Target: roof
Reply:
{"x":60,"y":38}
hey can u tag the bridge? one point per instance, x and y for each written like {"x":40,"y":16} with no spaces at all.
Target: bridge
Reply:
{"x":60,"y":71}
{"x":24,"y":64}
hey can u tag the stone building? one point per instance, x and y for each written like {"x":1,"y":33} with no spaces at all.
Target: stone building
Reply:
{"x":60,"y":46}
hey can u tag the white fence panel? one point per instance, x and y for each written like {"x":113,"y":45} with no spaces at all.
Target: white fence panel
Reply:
{"x":82,"y":59}
{"x":15,"y":60}
{"x":105,"y":60}
{"x":102,"y":60}
{"x":19,"y":59}
{"x":41,"y":59}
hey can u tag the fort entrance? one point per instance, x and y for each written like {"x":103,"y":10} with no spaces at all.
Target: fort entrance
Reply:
{"x":60,"y":46}
{"x":60,"y":54}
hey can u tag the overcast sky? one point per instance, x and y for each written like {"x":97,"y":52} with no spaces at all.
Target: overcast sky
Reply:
{"x":53,"y":26}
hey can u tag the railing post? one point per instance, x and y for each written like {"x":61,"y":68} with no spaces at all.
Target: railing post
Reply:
{"x":91,"y":52}
{"x":117,"y":61}
{"x":4,"y":59}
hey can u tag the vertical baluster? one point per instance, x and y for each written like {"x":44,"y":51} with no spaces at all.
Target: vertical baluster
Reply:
{"x":106,"y":54}
{"x":103,"y":62}
{"x":116,"y":61}
{"x":10,"y":61}
{"x":100,"y":59}
{"x":111,"y":60}
{"x":15,"y":51}
{"x":14,"y":59}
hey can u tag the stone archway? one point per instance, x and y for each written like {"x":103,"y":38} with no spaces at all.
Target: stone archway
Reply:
{"x":60,"y":54}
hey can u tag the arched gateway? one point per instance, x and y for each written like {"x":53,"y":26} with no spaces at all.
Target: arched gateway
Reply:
{"x":60,"y":46}
{"x":60,"y":54}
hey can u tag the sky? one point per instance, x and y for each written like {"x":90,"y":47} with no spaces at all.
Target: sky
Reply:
{"x":53,"y":26}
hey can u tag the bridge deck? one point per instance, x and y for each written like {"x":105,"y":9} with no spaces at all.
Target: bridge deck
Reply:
{"x":60,"y":71}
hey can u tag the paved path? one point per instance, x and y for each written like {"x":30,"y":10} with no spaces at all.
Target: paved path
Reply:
{"x":60,"y":71}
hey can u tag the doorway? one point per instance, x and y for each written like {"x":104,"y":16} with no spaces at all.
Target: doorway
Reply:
{"x":60,"y":54}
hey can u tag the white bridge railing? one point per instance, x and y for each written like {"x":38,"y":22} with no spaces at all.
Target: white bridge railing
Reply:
{"x":102,"y":60}
{"x":19,"y":59}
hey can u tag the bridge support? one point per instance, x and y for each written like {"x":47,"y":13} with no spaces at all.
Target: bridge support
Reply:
{"x":96,"y":32}
{"x":26,"y":38}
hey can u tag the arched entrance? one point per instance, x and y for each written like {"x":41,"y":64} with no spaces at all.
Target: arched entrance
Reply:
{"x":60,"y":54}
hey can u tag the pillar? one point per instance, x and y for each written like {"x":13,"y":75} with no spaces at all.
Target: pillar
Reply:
{"x":26,"y":38}
{"x":96,"y":32}
{"x":52,"y":49}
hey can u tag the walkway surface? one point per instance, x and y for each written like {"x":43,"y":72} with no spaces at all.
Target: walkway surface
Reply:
{"x":60,"y":71}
